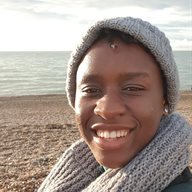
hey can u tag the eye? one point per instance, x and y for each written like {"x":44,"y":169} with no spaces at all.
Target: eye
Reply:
{"x":133,"y":89}
{"x":91,"y":91}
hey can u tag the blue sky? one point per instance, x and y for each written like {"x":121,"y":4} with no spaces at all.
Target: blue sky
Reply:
{"x":57,"y":25}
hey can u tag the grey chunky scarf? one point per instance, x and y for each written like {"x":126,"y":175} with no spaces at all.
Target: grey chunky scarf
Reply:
{"x":153,"y":169}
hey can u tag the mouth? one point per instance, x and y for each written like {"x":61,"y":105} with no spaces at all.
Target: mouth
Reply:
{"x":111,"y":136}
{"x":114,"y":134}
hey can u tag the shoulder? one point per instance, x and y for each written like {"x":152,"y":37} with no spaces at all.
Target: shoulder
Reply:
{"x":183,"y":183}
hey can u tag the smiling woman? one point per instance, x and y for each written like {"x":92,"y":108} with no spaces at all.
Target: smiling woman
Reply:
{"x":123,"y":84}
{"x":106,"y":103}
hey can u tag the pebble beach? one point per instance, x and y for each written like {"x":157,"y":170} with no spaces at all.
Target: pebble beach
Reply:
{"x":35,"y":131}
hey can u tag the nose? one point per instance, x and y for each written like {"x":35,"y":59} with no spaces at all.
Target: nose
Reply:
{"x":110,"y":106}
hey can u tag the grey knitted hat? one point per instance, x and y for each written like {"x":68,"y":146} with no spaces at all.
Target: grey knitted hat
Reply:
{"x":150,"y":36}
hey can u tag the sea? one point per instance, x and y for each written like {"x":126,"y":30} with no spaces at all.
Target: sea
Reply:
{"x":42,"y":73}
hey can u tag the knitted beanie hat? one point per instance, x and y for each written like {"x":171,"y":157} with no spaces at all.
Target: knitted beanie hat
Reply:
{"x":150,"y":36}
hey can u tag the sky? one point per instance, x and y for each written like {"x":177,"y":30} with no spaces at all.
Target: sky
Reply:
{"x":57,"y":25}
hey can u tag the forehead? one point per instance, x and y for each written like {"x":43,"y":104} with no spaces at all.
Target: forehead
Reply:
{"x":103,"y":60}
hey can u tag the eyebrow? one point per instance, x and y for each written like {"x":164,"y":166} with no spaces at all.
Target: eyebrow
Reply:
{"x":90,"y":78}
{"x":127,"y":76}
{"x":134,"y":75}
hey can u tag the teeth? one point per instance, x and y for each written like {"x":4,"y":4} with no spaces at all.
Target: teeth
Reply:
{"x":118,"y":133}
{"x":102,"y":134}
{"x":111,"y":134}
{"x":106,"y":134}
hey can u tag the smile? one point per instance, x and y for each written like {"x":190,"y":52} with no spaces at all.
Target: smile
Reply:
{"x":111,"y":134}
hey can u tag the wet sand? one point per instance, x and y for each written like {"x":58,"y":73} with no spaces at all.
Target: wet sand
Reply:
{"x":35,"y":131}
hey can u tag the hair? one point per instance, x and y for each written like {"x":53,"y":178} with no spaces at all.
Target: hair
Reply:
{"x":110,"y":35}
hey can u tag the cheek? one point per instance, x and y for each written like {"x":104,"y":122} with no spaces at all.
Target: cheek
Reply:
{"x":149,"y":106}
{"x":148,"y":113}
{"x":80,"y":122}
{"x":83,"y":112}
{"x":83,"y":116}
{"x":78,"y":103}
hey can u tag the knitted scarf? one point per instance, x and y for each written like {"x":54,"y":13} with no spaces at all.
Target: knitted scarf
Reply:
{"x":153,"y":169}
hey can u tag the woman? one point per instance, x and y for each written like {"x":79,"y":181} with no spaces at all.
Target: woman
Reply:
{"x":122,"y":83}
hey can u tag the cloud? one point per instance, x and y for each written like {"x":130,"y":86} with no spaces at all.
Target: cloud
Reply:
{"x":67,"y":9}
{"x":57,"y":20}
{"x":41,"y":9}
{"x":145,"y":3}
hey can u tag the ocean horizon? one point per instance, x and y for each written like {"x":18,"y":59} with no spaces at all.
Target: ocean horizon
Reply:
{"x":44,"y":72}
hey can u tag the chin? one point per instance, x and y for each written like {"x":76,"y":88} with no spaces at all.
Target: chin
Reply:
{"x":112,"y":164}
{"x":111,"y":160}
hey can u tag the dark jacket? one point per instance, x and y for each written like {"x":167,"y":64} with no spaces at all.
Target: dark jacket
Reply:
{"x":183,"y":183}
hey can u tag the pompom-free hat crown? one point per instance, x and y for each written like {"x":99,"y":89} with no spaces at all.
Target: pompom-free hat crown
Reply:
{"x":149,"y":35}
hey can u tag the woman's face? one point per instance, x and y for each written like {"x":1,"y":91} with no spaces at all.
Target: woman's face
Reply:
{"x":119,"y":101}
